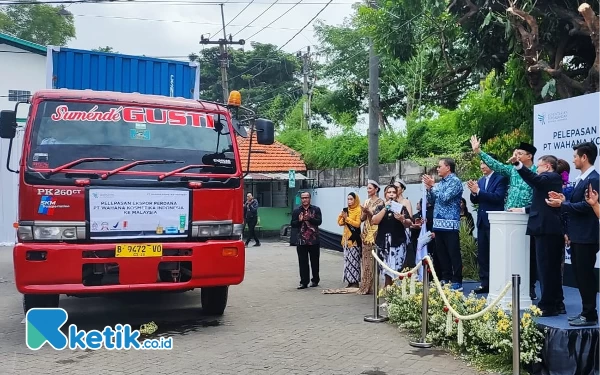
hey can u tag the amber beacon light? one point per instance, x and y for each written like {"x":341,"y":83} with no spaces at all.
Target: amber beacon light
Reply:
{"x":235,"y":99}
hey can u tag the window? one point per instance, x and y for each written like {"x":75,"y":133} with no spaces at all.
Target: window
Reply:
{"x":18,"y":95}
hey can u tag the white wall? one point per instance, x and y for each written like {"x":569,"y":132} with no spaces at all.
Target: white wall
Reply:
{"x":332,"y":200}
{"x":18,"y":71}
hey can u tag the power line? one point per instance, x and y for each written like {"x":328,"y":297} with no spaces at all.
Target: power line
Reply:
{"x":233,"y":19}
{"x":161,"y":2}
{"x":180,"y":21}
{"x":308,"y":23}
{"x":275,"y":20}
{"x":257,"y":17}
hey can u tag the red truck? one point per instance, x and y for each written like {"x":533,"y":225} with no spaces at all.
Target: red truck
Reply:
{"x":129,"y":193}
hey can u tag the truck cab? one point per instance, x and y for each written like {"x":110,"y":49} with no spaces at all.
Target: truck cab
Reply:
{"x":124,"y":192}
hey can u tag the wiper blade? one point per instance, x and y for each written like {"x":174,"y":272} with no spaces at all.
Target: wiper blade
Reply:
{"x":182,"y":169}
{"x":77,"y":162}
{"x":136,"y":163}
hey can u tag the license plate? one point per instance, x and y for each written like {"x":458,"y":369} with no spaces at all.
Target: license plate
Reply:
{"x":138,"y":250}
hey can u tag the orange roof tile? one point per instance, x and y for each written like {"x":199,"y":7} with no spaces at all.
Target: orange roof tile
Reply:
{"x":269,"y":158}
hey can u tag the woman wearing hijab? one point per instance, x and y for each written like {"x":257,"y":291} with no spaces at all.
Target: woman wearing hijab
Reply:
{"x":349,"y":218}
{"x":369,"y":233}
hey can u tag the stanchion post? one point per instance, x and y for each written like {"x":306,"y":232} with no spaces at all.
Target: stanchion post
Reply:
{"x":424,"y":312}
{"x":516,"y":320}
{"x":376,"y":317}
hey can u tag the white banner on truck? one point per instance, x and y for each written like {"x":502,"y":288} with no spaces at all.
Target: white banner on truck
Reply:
{"x":121,"y":213}
{"x":562,"y":124}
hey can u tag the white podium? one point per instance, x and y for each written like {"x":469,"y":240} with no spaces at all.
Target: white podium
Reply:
{"x":509,"y":254}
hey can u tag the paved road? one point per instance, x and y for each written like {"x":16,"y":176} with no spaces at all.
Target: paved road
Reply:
{"x":268,"y":328}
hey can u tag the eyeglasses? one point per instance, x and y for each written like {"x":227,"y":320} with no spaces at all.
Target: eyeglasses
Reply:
{"x":304,"y":197}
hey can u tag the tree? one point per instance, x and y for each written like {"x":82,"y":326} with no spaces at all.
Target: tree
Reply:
{"x":107,"y":49}
{"x":38,"y":23}
{"x":267,"y":78}
{"x":558,"y":40}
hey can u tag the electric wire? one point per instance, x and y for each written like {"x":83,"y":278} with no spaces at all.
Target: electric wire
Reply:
{"x":275,"y":20}
{"x":233,"y":19}
{"x":160,"y":2}
{"x":257,"y":17}
{"x":305,"y":26}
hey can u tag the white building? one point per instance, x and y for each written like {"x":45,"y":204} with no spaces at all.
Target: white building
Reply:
{"x":22,"y":72}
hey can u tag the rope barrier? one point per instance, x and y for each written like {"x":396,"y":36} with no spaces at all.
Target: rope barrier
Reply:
{"x":453,"y":315}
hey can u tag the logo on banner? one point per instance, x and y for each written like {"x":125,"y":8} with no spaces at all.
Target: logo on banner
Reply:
{"x":552,"y":117}
{"x":541,"y":119}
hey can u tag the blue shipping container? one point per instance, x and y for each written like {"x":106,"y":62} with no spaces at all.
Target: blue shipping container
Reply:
{"x":80,"y":69}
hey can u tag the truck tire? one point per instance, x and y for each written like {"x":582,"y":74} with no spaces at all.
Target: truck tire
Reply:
{"x":214,"y":300}
{"x":31,"y":301}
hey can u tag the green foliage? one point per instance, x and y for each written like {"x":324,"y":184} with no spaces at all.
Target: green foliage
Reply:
{"x":268,"y":79}
{"x":487,"y":340}
{"x":38,"y":23}
{"x":107,"y":49}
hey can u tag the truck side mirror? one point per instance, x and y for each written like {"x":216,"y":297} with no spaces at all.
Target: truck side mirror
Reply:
{"x":265,"y":132}
{"x":8,"y":124}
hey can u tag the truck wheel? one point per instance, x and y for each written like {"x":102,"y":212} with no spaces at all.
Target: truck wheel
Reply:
{"x":31,"y":301}
{"x":214,"y":300}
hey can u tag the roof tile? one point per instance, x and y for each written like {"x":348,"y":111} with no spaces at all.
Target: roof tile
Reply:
{"x":269,"y":158}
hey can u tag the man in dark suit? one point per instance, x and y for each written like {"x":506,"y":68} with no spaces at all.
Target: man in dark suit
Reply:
{"x":489,"y":193}
{"x":546,"y":227}
{"x":583,"y":231}
{"x":307,"y":218}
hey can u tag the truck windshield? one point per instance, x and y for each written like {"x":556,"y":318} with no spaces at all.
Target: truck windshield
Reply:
{"x":66,"y":131}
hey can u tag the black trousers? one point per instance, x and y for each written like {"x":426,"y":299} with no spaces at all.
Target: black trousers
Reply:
{"x":483,"y":255}
{"x":447,"y":246}
{"x":548,"y":253}
{"x":533,"y":276}
{"x":583,"y":258}
{"x":251,"y":232}
{"x":304,"y":253}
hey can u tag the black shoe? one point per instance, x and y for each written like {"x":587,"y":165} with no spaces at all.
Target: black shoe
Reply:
{"x":301,"y":286}
{"x":532,"y":293}
{"x":561,"y":309}
{"x":313,"y":284}
{"x":482,"y":289}
{"x":257,"y":244}
{"x":583,"y":322}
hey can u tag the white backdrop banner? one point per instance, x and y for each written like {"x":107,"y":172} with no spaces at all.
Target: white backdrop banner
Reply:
{"x":562,"y":124}
{"x":123,"y":213}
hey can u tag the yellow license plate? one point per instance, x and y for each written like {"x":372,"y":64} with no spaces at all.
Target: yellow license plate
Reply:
{"x":138,"y":250}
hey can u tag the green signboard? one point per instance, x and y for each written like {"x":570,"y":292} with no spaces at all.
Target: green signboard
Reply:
{"x":292,"y":178}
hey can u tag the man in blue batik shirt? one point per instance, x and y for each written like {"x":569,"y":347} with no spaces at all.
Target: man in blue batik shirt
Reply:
{"x":445,"y":197}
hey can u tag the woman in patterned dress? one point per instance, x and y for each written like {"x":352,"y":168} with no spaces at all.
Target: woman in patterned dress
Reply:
{"x":368,"y":237}
{"x":391,"y":237}
{"x":349,"y":218}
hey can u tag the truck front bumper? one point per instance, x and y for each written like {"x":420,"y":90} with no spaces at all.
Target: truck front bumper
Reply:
{"x":45,"y":268}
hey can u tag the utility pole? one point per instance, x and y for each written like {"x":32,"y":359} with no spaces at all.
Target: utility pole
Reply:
{"x":373,"y":109}
{"x":224,"y":58}
{"x":305,"y":88}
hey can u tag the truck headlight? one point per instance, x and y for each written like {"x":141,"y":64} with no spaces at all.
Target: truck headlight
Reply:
{"x":51,"y":231}
{"x":54,"y":233}
{"x":216,"y":229}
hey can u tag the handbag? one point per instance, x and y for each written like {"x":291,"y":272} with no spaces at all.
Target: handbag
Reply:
{"x":354,"y":234}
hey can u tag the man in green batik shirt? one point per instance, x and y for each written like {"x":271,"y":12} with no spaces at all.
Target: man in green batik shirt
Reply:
{"x":519,"y":193}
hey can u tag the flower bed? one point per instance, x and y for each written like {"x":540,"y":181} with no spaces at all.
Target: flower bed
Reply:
{"x":487,"y":341}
